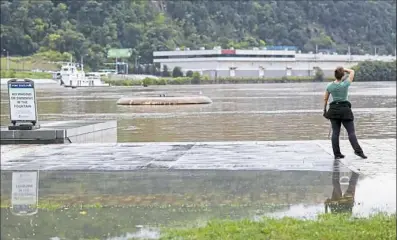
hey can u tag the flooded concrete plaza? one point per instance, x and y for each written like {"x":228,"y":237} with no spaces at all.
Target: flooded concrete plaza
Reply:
{"x":256,"y":150}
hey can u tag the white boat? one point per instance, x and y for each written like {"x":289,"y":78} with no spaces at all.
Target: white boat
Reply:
{"x":70,"y":76}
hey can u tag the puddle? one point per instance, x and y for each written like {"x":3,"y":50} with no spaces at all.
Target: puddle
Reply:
{"x":135,"y":204}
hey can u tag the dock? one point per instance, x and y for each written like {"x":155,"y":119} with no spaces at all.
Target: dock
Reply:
{"x":60,"y":132}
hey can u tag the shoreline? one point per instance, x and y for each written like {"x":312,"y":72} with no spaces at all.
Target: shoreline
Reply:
{"x":176,"y":81}
{"x":184,"y":81}
{"x":36,"y":81}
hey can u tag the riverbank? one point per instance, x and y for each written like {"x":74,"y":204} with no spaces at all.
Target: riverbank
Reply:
{"x":25,"y":74}
{"x":41,"y":81}
{"x":335,"y":227}
{"x":204,"y":80}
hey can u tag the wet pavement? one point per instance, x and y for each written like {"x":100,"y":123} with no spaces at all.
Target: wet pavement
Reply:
{"x":138,"y":203}
{"x":126,"y":190}
{"x":278,"y":155}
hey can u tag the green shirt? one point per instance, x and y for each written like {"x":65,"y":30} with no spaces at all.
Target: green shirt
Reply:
{"x":339,"y":91}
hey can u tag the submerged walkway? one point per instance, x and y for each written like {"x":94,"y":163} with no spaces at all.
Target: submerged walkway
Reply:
{"x":280,"y":155}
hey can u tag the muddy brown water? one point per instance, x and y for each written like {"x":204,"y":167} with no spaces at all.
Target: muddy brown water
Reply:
{"x":238,"y":112}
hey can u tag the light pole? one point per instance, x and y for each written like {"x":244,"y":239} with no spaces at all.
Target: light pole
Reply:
{"x":82,"y":61}
{"x":136,"y":63}
{"x":349,"y":53}
{"x":8,"y":60}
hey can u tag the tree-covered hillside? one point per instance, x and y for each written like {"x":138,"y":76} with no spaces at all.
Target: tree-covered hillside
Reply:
{"x":91,"y":27}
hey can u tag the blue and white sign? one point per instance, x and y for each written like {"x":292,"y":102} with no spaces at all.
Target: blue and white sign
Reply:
{"x":22,"y":100}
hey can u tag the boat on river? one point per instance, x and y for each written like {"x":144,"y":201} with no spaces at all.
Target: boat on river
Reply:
{"x":70,"y":76}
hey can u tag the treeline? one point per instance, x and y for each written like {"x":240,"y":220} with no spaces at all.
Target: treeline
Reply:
{"x":375,"y":71}
{"x":89,"y":28}
{"x":365,"y":71}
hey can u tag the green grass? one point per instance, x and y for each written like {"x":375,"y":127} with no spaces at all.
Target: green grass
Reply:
{"x":31,"y":75}
{"x":28,"y":64}
{"x":22,"y":67}
{"x":326,"y":227}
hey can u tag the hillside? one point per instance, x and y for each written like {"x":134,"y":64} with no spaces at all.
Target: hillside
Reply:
{"x":90,"y":27}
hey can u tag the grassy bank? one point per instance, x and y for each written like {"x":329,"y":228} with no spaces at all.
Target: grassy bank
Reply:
{"x":32,"y":75}
{"x":22,"y":67}
{"x":29,"y":63}
{"x":204,"y":80}
{"x":326,"y":227}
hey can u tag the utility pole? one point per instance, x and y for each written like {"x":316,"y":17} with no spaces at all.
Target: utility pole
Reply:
{"x":8,"y":59}
{"x":349,"y":53}
{"x":136,"y":64}
{"x":117,"y":72}
{"x":315,"y":55}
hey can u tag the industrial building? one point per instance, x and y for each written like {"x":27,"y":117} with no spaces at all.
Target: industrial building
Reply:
{"x":256,"y":62}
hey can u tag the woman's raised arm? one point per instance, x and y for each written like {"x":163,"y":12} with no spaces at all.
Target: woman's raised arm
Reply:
{"x":351,"y":73}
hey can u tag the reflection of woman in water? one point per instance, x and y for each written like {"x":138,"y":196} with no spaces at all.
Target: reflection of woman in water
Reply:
{"x":341,"y":203}
{"x":340,"y":112}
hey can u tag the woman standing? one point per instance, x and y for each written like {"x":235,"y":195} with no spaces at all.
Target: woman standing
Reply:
{"x":340,"y":112}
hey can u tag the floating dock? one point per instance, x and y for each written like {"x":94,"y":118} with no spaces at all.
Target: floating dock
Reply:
{"x":58,"y":132}
{"x":165,"y":100}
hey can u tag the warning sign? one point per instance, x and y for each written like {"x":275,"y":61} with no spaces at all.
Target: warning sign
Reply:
{"x":22,"y":101}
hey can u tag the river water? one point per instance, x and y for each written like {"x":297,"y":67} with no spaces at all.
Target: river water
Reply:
{"x":238,"y":112}
{"x":135,"y":204}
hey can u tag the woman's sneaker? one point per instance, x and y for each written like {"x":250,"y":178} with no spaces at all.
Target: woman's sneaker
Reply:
{"x":361,"y":155}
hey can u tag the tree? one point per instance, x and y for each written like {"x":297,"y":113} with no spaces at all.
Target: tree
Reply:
{"x":375,"y":71}
{"x":177,"y":72}
{"x":196,"y":78}
{"x":189,"y":73}
{"x":134,"y":69}
{"x":148,"y":69}
{"x":156,"y":69}
{"x":165,"y":72}
{"x":92,"y":27}
{"x":319,"y":75}
{"x":141,"y":70}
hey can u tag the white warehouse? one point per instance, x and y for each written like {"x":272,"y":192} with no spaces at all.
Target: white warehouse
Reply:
{"x":258,"y":62}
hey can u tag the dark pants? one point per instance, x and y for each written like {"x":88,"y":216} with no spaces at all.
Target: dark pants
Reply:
{"x":349,"y":125}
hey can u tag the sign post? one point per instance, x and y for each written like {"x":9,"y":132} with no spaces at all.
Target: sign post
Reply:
{"x":24,"y":198}
{"x":22,"y":104}
{"x":118,"y":54}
